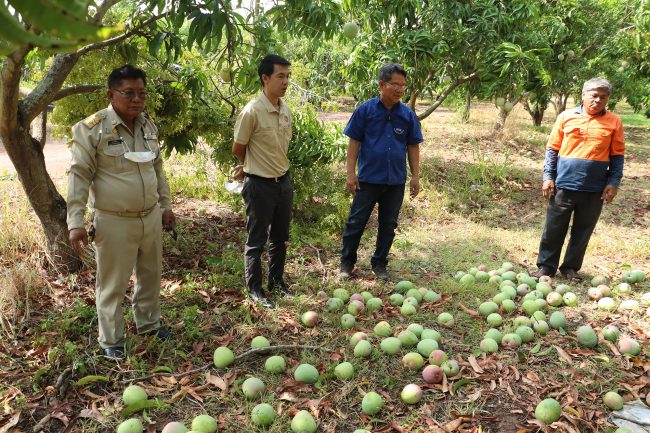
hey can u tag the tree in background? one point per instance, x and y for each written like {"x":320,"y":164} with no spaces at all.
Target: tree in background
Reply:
{"x":58,"y":34}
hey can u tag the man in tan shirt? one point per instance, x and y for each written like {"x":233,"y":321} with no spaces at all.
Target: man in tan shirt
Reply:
{"x":117,"y":164}
{"x":262,"y":136}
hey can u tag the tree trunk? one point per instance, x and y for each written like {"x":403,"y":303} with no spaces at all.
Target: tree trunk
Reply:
{"x":500,"y":122}
{"x":27,"y":157}
{"x":537,"y":115}
{"x":560,"y":103}
{"x":40,"y":128}
{"x":464,"y":116}
{"x":442,"y":96}
{"x":413,"y":100}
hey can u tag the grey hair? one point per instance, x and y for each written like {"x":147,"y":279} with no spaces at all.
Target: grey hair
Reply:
{"x":388,"y":69}
{"x":597,"y":83}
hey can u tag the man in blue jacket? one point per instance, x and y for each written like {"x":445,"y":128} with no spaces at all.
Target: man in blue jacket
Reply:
{"x":383,"y":133}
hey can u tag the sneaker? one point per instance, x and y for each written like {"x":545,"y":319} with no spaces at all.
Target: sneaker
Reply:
{"x":571,"y":275}
{"x":542,"y":271}
{"x":380,"y":272}
{"x":114,"y":352}
{"x":345,"y":271}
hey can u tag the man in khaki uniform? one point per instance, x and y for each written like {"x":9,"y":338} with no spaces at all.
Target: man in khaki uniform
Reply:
{"x":262,"y":136}
{"x":116,"y":162}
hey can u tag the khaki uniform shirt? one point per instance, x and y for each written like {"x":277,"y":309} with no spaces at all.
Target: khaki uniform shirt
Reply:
{"x":99,"y":168}
{"x":266,"y":133}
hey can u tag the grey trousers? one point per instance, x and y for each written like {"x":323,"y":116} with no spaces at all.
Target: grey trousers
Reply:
{"x":585,"y":208}
{"x":268,"y":214}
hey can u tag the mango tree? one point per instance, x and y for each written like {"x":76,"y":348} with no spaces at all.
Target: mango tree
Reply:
{"x":59,"y":37}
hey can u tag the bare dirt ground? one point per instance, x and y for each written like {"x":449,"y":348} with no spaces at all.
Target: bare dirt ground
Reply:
{"x":57,"y":158}
{"x":57,"y":153}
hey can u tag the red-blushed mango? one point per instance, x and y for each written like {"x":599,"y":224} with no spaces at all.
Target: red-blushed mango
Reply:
{"x":438,"y":357}
{"x":413,"y":361}
{"x":629,"y":346}
{"x":613,"y":400}
{"x":432,"y":374}
{"x":411,"y":394}
{"x":174,"y":427}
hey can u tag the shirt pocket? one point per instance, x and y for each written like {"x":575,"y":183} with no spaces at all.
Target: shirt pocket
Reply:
{"x":151,"y":143}
{"x":573,"y":131}
{"x":111,"y":156}
{"x":269,"y":136}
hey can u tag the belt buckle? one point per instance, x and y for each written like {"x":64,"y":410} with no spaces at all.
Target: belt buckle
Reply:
{"x":276,"y":179}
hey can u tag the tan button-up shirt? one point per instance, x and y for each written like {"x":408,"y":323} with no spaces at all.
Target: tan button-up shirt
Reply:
{"x":266,"y":133}
{"x":100,"y":170}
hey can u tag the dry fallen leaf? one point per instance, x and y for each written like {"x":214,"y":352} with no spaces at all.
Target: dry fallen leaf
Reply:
{"x":563,"y":354}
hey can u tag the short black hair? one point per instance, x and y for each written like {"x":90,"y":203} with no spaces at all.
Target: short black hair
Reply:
{"x":125,"y":72}
{"x":386,"y":71}
{"x":266,"y":65}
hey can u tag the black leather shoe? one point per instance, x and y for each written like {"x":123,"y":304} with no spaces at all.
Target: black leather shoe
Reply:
{"x":161,"y":333}
{"x":571,"y":275}
{"x":380,"y":272}
{"x":543,"y":271}
{"x":345,"y":271}
{"x":257,"y":295}
{"x":114,"y":352}
{"x":281,"y":287}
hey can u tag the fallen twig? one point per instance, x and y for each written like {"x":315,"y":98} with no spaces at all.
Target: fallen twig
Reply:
{"x":42,"y":423}
{"x":259,"y":351}
{"x":263,"y":350}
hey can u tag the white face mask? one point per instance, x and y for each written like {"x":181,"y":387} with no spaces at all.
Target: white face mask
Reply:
{"x":140,"y":157}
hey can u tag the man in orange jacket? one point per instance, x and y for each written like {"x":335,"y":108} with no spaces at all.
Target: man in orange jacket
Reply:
{"x":583,"y":168}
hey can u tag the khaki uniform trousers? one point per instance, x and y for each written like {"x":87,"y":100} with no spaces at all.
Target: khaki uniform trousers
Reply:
{"x":124,"y":245}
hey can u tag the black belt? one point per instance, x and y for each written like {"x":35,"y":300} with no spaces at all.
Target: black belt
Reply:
{"x":269,"y":179}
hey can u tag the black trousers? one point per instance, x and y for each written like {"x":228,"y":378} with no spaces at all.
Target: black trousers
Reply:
{"x":389,"y":199}
{"x":268,"y":214}
{"x":585,"y":208}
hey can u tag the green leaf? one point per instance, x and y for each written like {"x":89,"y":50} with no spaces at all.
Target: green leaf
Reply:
{"x":91,"y":379}
{"x":141,"y":405}
{"x":161,"y":369}
{"x":459,"y":384}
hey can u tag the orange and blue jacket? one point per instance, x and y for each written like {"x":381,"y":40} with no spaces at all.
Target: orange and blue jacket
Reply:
{"x":585,"y":153}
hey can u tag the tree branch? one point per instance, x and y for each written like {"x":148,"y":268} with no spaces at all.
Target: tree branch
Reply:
{"x":74,"y":90}
{"x":117,"y":39}
{"x":103,"y":9}
{"x":10,"y":88}
{"x":260,"y":351}
{"x":44,"y":93}
{"x":445,"y":93}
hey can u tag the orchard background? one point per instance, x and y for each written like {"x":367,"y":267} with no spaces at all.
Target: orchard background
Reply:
{"x":486,"y":78}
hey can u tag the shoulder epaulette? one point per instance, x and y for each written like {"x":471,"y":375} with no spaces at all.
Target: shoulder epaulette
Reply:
{"x":93,"y":120}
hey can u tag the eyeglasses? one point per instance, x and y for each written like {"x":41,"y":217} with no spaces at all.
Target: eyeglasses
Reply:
{"x":396,"y":86}
{"x":130,"y":94}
